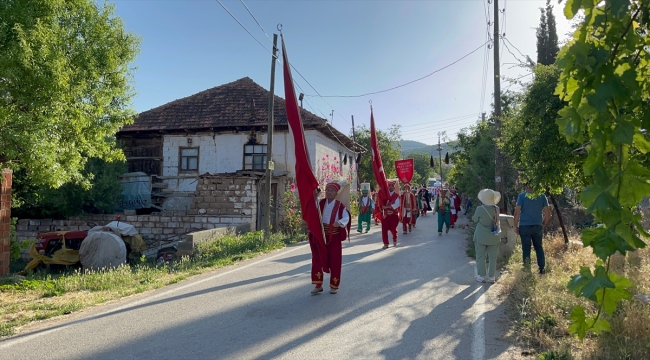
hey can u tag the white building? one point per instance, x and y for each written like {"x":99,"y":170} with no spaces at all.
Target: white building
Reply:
{"x":223,"y":130}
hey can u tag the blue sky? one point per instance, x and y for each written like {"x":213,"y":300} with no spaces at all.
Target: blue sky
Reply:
{"x":341,"y":48}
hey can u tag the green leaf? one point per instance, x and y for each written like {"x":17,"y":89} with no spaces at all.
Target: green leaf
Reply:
{"x":578,"y":322}
{"x":569,"y":122}
{"x":600,"y":280}
{"x":598,"y":325}
{"x":571,"y":8}
{"x":641,"y":143}
{"x":623,"y":133}
{"x":619,"y":8}
{"x":603,"y":94}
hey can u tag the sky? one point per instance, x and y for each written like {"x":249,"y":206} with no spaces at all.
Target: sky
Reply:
{"x":341,"y":48}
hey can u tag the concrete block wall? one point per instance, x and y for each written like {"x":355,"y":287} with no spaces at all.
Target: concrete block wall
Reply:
{"x":5,"y":220}
{"x":225,"y":195}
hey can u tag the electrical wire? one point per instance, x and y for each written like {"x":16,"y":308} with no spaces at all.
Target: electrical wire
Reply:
{"x":405,"y":84}
{"x":427,"y":123}
{"x":277,"y":58}
{"x":522,"y":54}
{"x":436,"y":128}
{"x":254,"y":18}
{"x":428,"y":126}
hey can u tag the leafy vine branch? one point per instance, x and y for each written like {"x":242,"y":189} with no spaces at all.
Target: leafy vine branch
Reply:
{"x":605,"y":82}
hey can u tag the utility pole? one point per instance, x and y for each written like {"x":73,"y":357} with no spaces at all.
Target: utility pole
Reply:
{"x":354,"y":161}
{"x":498,"y":161}
{"x":483,"y":117}
{"x":269,"y":142}
{"x":440,"y":159}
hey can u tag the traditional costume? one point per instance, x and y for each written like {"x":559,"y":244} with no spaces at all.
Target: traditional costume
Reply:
{"x":455,"y":207}
{"x":390,"y":217}
{"x":443,"y":208}
{"x":366,"y":207}
{"x":376,"y":212}
{"x":409,"y":209}
{"x":336,"y":223}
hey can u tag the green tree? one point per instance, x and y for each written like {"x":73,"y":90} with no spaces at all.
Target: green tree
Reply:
{"x":605,"y":81}
{"x":532,"y":140}
{"x":547,"y":40}
{"x":473,"y":162}
{"x":71,"y":199}
{"x":422,"y":170}
{"x":389,"y":148}
{"x":65,"y":86}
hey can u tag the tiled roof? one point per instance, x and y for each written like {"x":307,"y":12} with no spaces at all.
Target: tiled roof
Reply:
{"x":241,"y":103}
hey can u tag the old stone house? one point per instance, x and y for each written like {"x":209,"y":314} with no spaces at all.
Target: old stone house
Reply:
{"x":206,"y":153}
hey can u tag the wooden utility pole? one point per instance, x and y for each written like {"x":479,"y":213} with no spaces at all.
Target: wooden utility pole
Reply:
{"x":354,"y":161}
{"x":440,"y":159}
{"x":498,"y":161}
{"x":269,"y":142}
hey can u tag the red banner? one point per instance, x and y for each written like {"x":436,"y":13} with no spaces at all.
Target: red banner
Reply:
{"x":305,"y":179}
{"x":377,"y":165}
{"x":404,"y":170}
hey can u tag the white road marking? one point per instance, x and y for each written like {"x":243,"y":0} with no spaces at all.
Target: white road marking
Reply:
{"x":478,"y":326}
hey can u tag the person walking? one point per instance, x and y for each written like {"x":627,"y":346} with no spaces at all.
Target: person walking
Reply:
{"x":443,"y":208}
{"x":336,"y":223}
{"x":531,"y":216}
{"x":366,"y":207}
{"x":390,"y":215}
{"x":486,"y":239}
{"x":455,"y":207}
{"x":468,"y":205}
{"x":409,"y":208}
{"x":376,"y":211}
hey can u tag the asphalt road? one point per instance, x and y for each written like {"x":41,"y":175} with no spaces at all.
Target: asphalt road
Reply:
{"x":418,"y":300}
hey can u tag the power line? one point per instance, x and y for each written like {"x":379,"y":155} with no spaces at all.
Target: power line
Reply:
{"x":435,"y":129}
{"x":240,"y":24}
{"x":405,"y":84}
{"x":424,"y":127}
{"x":277,"y":59}
{"x":522,"y":54}
{"x":254,"y":18}
{"x":454,"y":118}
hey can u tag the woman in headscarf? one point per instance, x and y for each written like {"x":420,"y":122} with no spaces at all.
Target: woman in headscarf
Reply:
{"x":486,"y":235}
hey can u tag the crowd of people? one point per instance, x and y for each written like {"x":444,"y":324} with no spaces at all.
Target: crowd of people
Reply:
{"x":407,"y":205}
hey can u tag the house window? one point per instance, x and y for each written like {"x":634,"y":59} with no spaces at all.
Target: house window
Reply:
{"x":254,"y":157}
{"x":189,"y":159}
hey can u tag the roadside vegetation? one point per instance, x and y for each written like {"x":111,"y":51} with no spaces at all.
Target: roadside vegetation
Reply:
{"x":41,"y":296}
{"x":540,"y":306}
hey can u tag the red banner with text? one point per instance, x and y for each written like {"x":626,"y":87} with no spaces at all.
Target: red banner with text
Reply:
{"x":404,"y":170}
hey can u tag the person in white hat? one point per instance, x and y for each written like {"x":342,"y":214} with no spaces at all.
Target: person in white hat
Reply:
{"x":336,"y":223}
{"x":366,"y":206}
{"x":486,"y":237}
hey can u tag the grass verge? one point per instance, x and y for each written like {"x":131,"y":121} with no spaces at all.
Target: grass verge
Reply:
{"x":540,"y":306}
{"x":42,"y":295}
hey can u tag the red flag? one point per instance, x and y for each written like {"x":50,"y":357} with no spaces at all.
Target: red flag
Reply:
{"x":305,"y":180}
{"x":377,"y":166}
{"x":404,"y":170}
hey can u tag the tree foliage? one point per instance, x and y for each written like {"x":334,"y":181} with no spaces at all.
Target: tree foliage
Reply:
{"x":473,"y":162}
{"x":389,"y":148}
{"x":422,"y":170}
{"x":605,"y":80}
{"x":71,"y":199}
{"x":547,"y":40}
{"x":64,"y":87}
{"x":532,"y":141}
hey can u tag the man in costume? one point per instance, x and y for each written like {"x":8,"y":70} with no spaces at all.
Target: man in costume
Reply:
{"x":336,"y":223}
{"x":409,"y":209}
{"x":366,"y":208}
{"x":455,"y":207}
{"x":390,"y":217}
{"x":443,"y":208}
{"x":376,"y":212}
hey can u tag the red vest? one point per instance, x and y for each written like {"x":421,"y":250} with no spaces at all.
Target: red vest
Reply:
{"x":340,"y":207}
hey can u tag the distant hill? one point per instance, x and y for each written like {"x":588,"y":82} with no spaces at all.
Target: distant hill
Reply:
{"x":415,"y":147}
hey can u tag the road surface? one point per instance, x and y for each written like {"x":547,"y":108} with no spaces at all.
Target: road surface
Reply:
{"x":418,"y":300}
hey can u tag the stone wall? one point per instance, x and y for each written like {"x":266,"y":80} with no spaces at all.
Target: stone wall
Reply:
{"x":5,"y":221}
{"x":219,"y":195}
{"x":156,"y":229}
